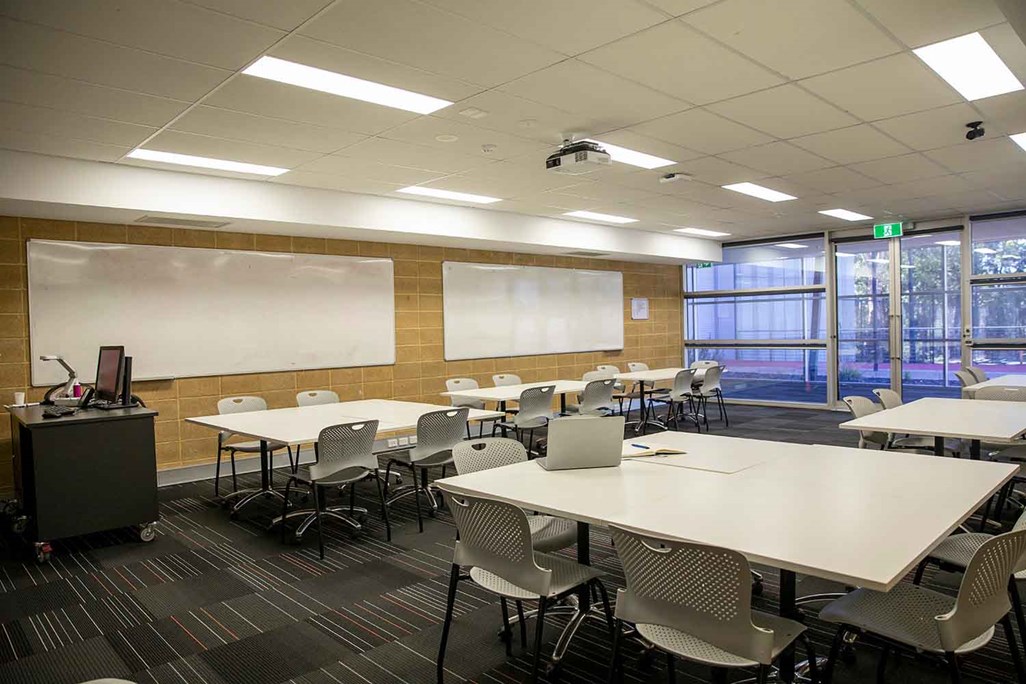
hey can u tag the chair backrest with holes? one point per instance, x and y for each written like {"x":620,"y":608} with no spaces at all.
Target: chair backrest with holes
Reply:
{"x":978,"y":373}
{"x":983,"y":595}
{"x":965,"y":378}
{"x":351,"y":445}
{"x":997,"y":393}
{"x":704,"y":363}
{"x":439,"y":431}
{"x":606,"y":368}
{"x":495,"y":536}
{"x":455,"y":384}
{"x":240,"y":405}
{"x":862,"y":406}
{"x":484,"y":454}
{"x":594,"y":375}
{"x":711,"y":379}
{"x":888,"y":398}
{"x":535,"y":403}
{"x":705,"y":591}
{"x":597,"y":396}
{"x":636,"y":366}
{"x":506,"y":379}
{"x":682,"y":383}
{"x":316,"y":397}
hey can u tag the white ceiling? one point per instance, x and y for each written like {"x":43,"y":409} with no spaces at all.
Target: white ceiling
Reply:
{"x":822,"y":99}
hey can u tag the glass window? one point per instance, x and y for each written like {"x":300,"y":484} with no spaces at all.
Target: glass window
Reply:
{"x":793,"y":316}
{"x":998,"y":362}
{"x":792,"y":375}
{"x":999,"y":246}
{"x":747,"y":267}
{"x":999,"y":311}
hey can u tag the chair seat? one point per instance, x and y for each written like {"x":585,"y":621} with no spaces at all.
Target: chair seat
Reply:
{"x":549,"y":533}
{"x":330,"y":474}
{"x":576,"y":409}
{"x":958,"y":550}
{"x":922,"y":442}
{"x":904,"y":614}
{"x":1009,"y":453}
{"x":691,"y":647}
{"x":254,"y":447}
{"x":532,"y":424}
{"x":437,"y":459}
{"x":566,"y":575}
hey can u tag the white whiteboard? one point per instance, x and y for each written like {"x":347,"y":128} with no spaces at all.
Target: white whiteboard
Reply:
{"x":185,"y":312}
{"x":494,"y":310}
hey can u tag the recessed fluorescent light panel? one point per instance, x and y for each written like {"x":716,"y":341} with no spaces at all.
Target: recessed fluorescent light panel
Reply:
{"x":791,"y":245}
{"x":846,"y":215}
{"x":325,"y":81}
{"x":700,"y":231}
{"x":759,"y":191}
{"x":205,"y":162}
{"x":448,"y":194}
{"x":1019,"y":139}
{"x":948,"y":243}
{"x":970,"y":66}
{"x":595,"y":216}
{"x":632,"y":157}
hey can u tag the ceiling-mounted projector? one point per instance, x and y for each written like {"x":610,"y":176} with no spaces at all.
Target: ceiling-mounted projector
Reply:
{"x":575,"y":158}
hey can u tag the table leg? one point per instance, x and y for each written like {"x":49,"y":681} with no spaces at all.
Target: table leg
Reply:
{"x":584,"y":558}
{"x":788,"y":609}
{"x":265,"y":467}
{"x":502,"y":408}
{"x":562,"y":404}
{"x":938,"y":446}
{"x":245,"y":497}
{"x":974,"y":449}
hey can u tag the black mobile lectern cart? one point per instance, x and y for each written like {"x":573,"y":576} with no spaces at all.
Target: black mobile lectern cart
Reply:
{"x":88,"y":472}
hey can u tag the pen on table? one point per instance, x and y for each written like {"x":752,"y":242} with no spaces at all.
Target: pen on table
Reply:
{"x":639,"y":446}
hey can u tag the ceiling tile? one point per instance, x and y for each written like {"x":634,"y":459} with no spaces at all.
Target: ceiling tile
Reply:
{"x":175,"y":29}
{"x":978,"y":155}
{"x":340,"y":165}
{"x":933,"y":128}
{"x":282,"y":15}
{"x":784,"y":112}
{"x":1005,"y":113}
{"x":717,"y":171}
{"x":574,"y":86}
{"x":69,"y":125}
{"x":505,"y":180}
{"x":277,"y":100}
{"x":594,"y":22}
{"x":233,"y":150}
{"x":808,"y":37}
{"x":600,"y":190}
{"x":317,"y":53}
{"x":921,"y":22}
{"x":779,"y":158}
{"x":678,"y":7}
{"x":34,"y":88}
{"x":329,"y":182}
{"x":471,"y":139}
{"x":226,"y":123}
{"x":524,"y":118}
{"x":898,"y":169}
{"x":394,"y":152}
{"x":701,"y":130}
{"x":929,"y":187}
{"x":677,"y":60}
{"x":427,"y":38}
{"x":836,"y":179}
{"x":59,"y":146}
{"x":627,"y":137}
{"x":850,"y":145}
{"x":884,"y":88}
{"x":63,"y":54}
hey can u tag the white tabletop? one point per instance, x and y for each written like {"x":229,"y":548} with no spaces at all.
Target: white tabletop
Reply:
{"x":857,"y":516}
{"x":303,"y":424}
{"x":513,"y":392}
{"x":654,"y":375}
{"x":990,"y":421}
{"x":1002,"y":381}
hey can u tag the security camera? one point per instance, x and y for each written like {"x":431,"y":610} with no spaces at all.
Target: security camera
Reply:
{"x":975,"y":130}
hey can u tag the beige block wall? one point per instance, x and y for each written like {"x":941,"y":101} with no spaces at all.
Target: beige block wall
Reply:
{"x":420,"y":370}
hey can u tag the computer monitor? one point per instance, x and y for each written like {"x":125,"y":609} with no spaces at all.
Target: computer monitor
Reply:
{"x":109,"y":370}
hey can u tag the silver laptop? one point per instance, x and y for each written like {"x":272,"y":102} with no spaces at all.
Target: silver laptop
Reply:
{"x":584,"y":442}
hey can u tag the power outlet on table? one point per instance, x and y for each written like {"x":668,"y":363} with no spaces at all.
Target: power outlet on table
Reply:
{"x":413,"y":439}
{"x":404,"y":441}
{"x":393,"y":443}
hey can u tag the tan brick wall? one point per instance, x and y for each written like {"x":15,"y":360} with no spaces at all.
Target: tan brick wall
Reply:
{"x":419,"y":373}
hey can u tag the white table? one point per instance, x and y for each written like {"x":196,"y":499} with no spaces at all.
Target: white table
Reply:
{"x":506,"y":393}
{"x":824,"y":511}
{"x":978,"y":421}
{"x":303,"y":425}
{"x":969,"y":392}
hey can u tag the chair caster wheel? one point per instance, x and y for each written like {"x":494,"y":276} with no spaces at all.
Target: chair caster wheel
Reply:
{"x":647,"y":659}
{"x":147,"y":532}
{"x":553,"y":671}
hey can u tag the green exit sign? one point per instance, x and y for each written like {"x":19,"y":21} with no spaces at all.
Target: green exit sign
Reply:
{"x":704,"y":264}
{"x":887,"y":230}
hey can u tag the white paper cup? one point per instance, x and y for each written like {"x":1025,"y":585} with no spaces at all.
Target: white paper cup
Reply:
{"x":19,"y":398}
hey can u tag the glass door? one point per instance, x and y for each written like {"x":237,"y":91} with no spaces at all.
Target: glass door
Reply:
{"x":863,"y":273}
{"x":931,"y":314}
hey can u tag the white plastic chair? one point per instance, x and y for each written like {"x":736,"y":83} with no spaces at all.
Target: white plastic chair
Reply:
{"x":456,"y":384}
{"x":316,"y":398}
{"x":965,"y":378}
{"x":230,"y":405}
{"x":695,"y":602}
{"x":710,"y":387}
{"x":506,"y":379}
{"x":934,"y":623}
{"x":888,"y":398}
{"x":978,"y":373}
{"x":618,"y":389}
{"x":681,"y":395}
{"x":862,"y":406}
{"x":535,"y":412}
{"x":597,"y":398}
{"x":494,"y":541}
